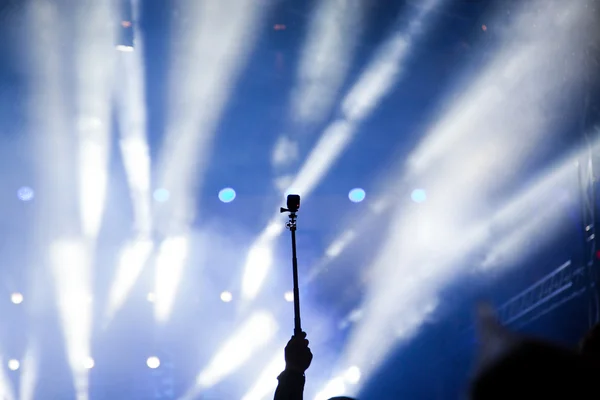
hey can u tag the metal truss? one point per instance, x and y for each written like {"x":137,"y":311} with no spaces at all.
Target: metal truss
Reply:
{"x":589,"y":170}
{"x":558,"y":287}
{"x":587,"y":182}
{"x":563,"y":284}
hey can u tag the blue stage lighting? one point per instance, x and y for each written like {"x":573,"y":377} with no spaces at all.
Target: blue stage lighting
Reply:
{"x":161,"y":195}
{"x":356,"y":195}
{"x":25,"y":193}
{"x":418,"y":196}
{"x":227,"y":195}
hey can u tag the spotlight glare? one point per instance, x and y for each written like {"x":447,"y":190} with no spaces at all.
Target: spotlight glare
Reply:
{"x":161,"y":195}
{"x":25,"y":193}
{"x":227,"y":195}
{"x":356,"y":195}
{"x":418,"y":195}
{"x":151,"y":297}
{"x":289,"y":296}
{"x":153,"y":362}
{"x":88,"y":363}
{"x":226,"y":297}
{"x":255,"y":333}
{"x":352,"y":375}
{"x":16,"y":298}
{"x":335,"y":387}
{"x":125,"y":48}
{"x":13,"y":364}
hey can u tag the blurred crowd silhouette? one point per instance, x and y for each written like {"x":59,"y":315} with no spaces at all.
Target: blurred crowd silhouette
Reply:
{"x":508,"y":366}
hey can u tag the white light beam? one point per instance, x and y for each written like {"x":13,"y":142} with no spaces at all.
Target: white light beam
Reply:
{"x":379,"y":77}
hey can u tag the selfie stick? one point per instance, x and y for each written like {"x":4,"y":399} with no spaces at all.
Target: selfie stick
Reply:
{"x":293,"y":204}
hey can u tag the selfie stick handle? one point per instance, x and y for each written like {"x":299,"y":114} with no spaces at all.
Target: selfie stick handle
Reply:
{"x":297,"y":325}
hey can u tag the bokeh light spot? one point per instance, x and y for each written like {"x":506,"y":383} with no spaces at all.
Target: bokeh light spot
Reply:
{"x":153,"y":362}
{"x":289,"y":296}
{"x":227,"y":195}
{"x":88,"y":363}
{"x":226,"y":297}
{"x":151,"y":297}
{"x":13,"y":364}
{"x":418,"y":195}
{"x":16,"y":298}
{"x":25,"y":193}
{"x":161,"y":195}
{"x":356,"y":195}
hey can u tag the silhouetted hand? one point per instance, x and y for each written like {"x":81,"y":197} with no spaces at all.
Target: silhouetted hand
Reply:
{"x":297,"y":354}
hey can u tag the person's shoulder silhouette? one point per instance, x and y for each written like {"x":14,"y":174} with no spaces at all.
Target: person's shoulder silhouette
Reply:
{"x":513,"y":366}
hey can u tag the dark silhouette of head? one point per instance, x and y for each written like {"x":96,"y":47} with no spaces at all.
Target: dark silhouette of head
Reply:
{"x":533,"y":369}
{"x":511,"y":366}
